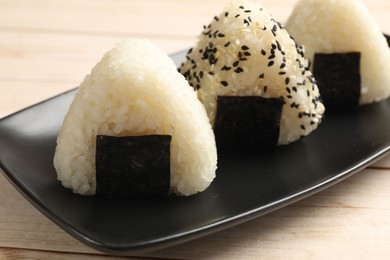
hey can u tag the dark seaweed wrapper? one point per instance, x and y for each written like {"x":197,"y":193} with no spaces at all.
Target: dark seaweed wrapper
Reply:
{"x":132,"y":166}
{"x":338,"y":79}
{"x":247,"y":122}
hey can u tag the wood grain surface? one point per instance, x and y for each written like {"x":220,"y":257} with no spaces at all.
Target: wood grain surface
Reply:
{"x":48,"y":46}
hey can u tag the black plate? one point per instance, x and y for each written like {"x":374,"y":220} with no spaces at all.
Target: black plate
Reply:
{"x":248,"y":185}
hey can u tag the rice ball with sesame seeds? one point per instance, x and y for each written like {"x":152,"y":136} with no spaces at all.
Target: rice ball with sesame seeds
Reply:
{"x":135,"y":94}
{"x":344,"y":26}
{"x":245,"y":52}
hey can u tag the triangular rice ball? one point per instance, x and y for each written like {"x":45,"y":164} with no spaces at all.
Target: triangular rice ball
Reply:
{"x":135,"y":90}
{"x":344,"y":26}
{"x":245,"y":52}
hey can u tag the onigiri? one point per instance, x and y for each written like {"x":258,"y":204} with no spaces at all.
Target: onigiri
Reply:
{"x":135,"y":97}
{"x":344,"y":31}
{"x":246,"y":63}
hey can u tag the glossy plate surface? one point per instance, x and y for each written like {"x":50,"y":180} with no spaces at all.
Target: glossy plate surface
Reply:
{"x":248,"y":184}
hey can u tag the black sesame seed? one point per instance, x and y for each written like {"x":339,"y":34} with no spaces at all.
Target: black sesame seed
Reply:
{"x":241,"y":7}
{"x":226,"y":44}
{"x":278,"y":45}
{"x":247,"y":11}
{"x":261,"y":76}
{"x":207,"y":32}
{"x":300,"y":115}
{"x":201,"y":74}
{"x":224,"y":83}
{"x":246,"y":22}
{"x":271,"y":63}
{"x":303,"y":127}
{"x":246,"y":53}
{"x":238,"y":70}
{"x":283,"y":65}
{"x":242,"y":59}
{"x":249,"y":19}
{"x":237,"y":16}
{"x":216,"y":18}
{"x":263,"y":52}
{"x":211,"y":73}
{"x":226,"y":14}
{"x":294,"y":89}
{"x":288,"y":90}
{"x":226,"y":68}
{"x":221,"y":35}
{"x":287,"y":80}
{"x":271,"y":57}
{"x":235,"y":64}
{"x":244,"y":48}
{"x":282,"y":73}
{"x":265,"y":89}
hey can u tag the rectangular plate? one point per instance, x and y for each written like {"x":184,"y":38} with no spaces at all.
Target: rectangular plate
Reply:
{"x":248,"y":184}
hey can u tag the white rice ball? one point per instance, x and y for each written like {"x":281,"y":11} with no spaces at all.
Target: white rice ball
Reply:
{"x":136,"y":90}
{"x":331,"y":26}
{"x":246,"y":52}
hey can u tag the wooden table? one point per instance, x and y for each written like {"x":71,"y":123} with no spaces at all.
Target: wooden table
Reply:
{"x":47,"y":47}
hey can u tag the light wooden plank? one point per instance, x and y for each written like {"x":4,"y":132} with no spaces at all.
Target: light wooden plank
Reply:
{"x":176,"y":18}
{"x":170,"y":18}
{"x":12,"y":253}
{"x":58,"y":57}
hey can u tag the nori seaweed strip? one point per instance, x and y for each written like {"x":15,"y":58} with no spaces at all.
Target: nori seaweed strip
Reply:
{"x":387,"y":38}
{"x":247,"y":122}
{"x":338,"y":79}
{"x":132,"y":166}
